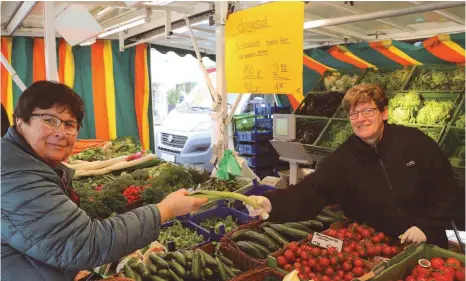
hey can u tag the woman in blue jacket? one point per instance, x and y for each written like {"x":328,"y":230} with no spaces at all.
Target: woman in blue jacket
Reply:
{"x":45,"y":235}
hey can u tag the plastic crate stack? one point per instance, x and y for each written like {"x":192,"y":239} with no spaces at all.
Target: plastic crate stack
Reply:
{"x":252,"y":135}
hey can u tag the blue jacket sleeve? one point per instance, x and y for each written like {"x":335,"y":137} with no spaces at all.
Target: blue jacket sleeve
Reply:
{"x":39,"y":220}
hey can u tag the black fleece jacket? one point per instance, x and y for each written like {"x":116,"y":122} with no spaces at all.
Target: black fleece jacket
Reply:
{"x":404,"y":181}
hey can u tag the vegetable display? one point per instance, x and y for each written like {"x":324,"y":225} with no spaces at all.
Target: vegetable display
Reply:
{"x":229,"y":223}
{"x":460,"y":121}
{"x":228,"y":185}
{"x":307,"y":131}
{"x":321,"y":104}
{"x":336,"y":82}
{"x":437,"y":269}
{"x":115,"y":148}
{"x":181,"y":265}
{"x":182,"y":236}
{"x":337,"y":134}
{"x":390,"y":81}
{"x":438,"y":80}
{"x":457,"y":159}
{"x":434,"y":112}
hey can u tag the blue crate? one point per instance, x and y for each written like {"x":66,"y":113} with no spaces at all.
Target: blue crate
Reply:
{"x":254,"y":136}
{"x":271,"y":109}
{"x":219,"y":212}
{"x":264,"y":123}
{"x":188,"y":224}
{"x":253,"y":149}
{"x":268,"y":160}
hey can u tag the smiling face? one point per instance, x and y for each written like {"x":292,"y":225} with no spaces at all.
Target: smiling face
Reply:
{"x":53,"y":145}
{"x":368,"y":128}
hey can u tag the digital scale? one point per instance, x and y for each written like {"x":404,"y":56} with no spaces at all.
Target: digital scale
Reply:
{"x":284,"y":134}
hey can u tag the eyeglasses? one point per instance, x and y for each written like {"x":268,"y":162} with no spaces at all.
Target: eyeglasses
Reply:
{"x":366,"y":112}
{"x":71,"y":127}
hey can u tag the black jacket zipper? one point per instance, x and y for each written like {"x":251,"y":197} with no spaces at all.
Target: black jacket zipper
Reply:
{"x":387,"y":178}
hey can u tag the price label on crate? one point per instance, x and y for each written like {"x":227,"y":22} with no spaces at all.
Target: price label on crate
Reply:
{"x":325,"y":241}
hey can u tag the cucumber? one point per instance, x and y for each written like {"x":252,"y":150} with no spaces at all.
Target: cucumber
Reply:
{"x":134,"y":265}
{"x":203,"y":262}
{"x":137,"y":276}
{"x":221,"y":270}
{"x":152,"y":268}
{"x":209,"y":260}
{"x":260,"y":247}
{"x":180,"y":258}
{"x":250,"y":250}
{"x":226,"y":261}
{"x":261,"y":239}
{"x":188,"y":254}
{"x":264,"y":224}
{"x":236,"y":271}
{"x":229,"y":271}
{"x":173,"y":276}
{"x":299,"y":226}
{"x":177,"y":268}
{"x":329,"y":213}
{"x":131,"y":261}
{"x":313,"y":224}
{"x":158,"y":261}
{"x":276,"y":236}
{"x":290,"y":232}
{"x":163,"y":273}
{"x":196,"y":265}
{"x":128,"y":272}
{"x":155,"y":278}
{"x":237,"y":235}
{"x":142,"y":270}
{"x":326,"y":219}
{"x":207,"y":272}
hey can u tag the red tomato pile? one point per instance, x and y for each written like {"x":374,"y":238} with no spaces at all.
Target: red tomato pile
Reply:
{"x":440,"y":270}
{"x":363,"y":241}
{"x":321,"y":264}
{"x":133,"y":194}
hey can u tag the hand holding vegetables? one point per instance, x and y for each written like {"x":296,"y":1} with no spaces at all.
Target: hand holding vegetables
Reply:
{"x":414,"y":234}
{"x":178,"y":204}
{"x":265,"y":207}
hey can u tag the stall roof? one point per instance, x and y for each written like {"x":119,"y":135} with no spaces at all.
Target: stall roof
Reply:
{"x":407,"y":27}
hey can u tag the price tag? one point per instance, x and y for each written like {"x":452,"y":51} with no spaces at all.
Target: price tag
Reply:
{"x":325,"y":241}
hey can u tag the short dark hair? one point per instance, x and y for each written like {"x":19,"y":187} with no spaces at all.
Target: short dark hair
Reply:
{"x":365,"y":93}
{"x":45,"y":95}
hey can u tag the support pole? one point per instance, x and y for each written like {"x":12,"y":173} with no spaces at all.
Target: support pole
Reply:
{"x":50,"y":43}
{"x":13,"y":74}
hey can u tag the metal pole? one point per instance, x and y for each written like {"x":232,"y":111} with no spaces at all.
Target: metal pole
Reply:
{"x":50,"y":43}
{"x":384,"y":14}
{"x":13,"y":74}
{"x":457,"y":234}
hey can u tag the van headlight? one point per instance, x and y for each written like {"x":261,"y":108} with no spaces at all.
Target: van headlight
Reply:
{"x":202,"y":127}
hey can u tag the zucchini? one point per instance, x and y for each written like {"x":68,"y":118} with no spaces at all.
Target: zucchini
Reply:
{"x":152,"y":268}
{"x":203,"y":262}
{"x":276,"y":236}
{"x":173,"y":276}
{"x":226,"y":261}
{"x":163,"y":273}
{"x":180,"y":258}
{"x":158,"y":261}
{"x":155,"y":278}
{"x":236,"y":236}
{"x":188,"y":254}
{"x":250,"y":250}
{"x":221,"y":270}
{"x":128,"y":272}
{"x":209,"y":260}
{"x":326,"y":219}
{"x":196,"y":265}
{"x":261,"y":239}
{"x":290,"y":232}
{"x":142,"y":270}
{"x":177,"y":268}
{"x":299,"y":226}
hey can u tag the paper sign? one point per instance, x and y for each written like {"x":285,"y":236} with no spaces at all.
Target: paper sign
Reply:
{"x":264,"y":49}
{"x":325,"y":241}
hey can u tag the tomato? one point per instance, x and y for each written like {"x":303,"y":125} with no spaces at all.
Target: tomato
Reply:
{"x":387,"y":251}
{"x":358,"y":271}
{"x":349,"y":276}
{"x":302,"y":276}
{"x":307,"y":269}
{"x":381,"y":236}
{"x":349,"y":235}
{"x":341,"y":236}
{"x":336,"y":278}
{"x":304,"y":256}
{"x":436,"y":263}
{"x":325,"y":278}
{"x":453,"y":263}
{"x":329,"y":271}
{"x":422,"y":271}
{"x":376,"y":239}
{"x":324,"y":252}
{"x":341,"y":256}
{"x":332,"y":251}
{"x":366,"y":233}
{"x":410,"y":278}
{"x":289,"y":255}
{"x":282,"y":261}
{"x":297,"y":265}
{"x":371,"y":251}
{"x":371,"y":230}
{"x":358,"y":262}
{"x":293,"y":246}
{"x":459,"y":275}
{"x":333,"y":261}
{"x":379,"y":249}
{"x":338,"y":267}
{"x":358,"y":237}
{"x":298,"y":252}
{"x":356,"y":254}
{"x":347,"y":266}
{"x":395,"y":250}
{"x":312,"y":263}
{"x":315,"y":252}
{"x":332,"y":233}
{"x":340,"y":273}
{"x":288,"y":267}
{"x":362,"y":253}
{"x":347,"y":249}
{"x":298,"y":260}
{"x":439,"y":276}
{"x":324,"y":262}
{"x":318,"y":269}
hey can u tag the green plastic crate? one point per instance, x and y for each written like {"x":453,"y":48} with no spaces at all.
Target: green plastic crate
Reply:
{"x":337,"y":126}
{"x":303,"y":123}
{"x":459,"y":114}
{"x":451,"y":84}
{"x":435,"y":132}
{"x":368,"y":77}
{"x":403,"y":268}
{"x":451,"y":143}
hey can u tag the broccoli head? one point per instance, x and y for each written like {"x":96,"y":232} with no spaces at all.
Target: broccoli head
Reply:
{"x":140,"y":174}
{"x":153,"y":195}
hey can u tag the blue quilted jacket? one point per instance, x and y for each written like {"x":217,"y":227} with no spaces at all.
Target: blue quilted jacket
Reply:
{"x":45,"y":235}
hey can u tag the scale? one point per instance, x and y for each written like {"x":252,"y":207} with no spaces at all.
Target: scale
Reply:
{"x":284,"y":133}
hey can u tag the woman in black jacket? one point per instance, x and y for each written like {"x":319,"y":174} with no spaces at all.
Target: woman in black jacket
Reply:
{"x":5,"y":121}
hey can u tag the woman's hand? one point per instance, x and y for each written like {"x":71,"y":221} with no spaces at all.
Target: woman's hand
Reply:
{"x":178,"y":204}
{"x":264,"y":209}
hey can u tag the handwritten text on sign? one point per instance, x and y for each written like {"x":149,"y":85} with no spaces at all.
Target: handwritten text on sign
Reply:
{"x":264,"y":47}
{"x":325,"y":241}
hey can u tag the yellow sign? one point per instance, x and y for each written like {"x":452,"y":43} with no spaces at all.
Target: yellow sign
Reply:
{"x":264,"y":49}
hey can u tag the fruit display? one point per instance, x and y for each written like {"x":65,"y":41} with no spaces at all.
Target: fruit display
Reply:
{"x":317,"y":263}
{"x":437,"y":269}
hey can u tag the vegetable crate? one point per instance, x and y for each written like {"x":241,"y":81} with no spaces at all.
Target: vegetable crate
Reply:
{"x":439,"y":78}
{"x":453,"y":148}
{"x":248,"y":122}
{"x":271,"y":109}
{"x":458,"y":119}
{"x":320,"y":104}
{"x":219,"y":212}
{"x":434,"y":132}
{"x":253,"y":149}
{"x":338,"y":81}
{"x":188,"y":224}
{"x":391,"y":79}
{"x":262,"y":273}
{"x":400,"y":270}
{"x":336,"y":133}
{"x":308,"y":129}
{"x":254,"y":136}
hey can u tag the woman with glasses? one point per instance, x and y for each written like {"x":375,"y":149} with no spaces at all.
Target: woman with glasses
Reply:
{"x":392,"y":177}
{"x":45,"y":235}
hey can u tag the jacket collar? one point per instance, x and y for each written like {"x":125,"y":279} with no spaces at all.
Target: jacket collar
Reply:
{"x":368,"y":152}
